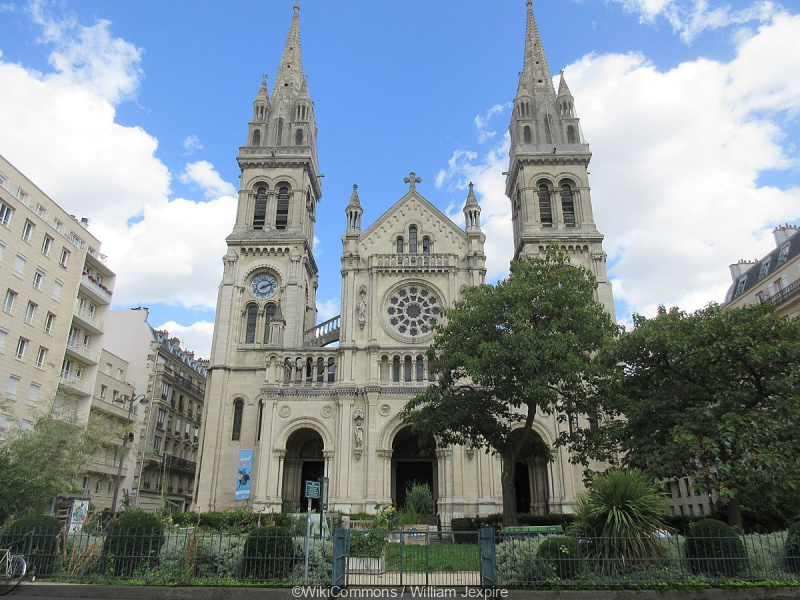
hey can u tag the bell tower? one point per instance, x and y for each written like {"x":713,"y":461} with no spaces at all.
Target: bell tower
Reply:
{"x":271,"y":246}
{"x":548,"y":178}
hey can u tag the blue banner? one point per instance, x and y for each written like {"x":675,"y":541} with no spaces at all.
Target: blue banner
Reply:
{"x":244,"y":474}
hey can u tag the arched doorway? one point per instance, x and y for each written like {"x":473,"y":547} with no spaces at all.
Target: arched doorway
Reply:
{"x":530,"y":476}
{"x":411,"y":465}
{"x":304,"y":461}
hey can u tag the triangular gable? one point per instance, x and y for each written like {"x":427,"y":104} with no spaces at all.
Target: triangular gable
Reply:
{"x":413,"y":206}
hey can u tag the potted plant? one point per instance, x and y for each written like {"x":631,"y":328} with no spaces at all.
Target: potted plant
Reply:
{"x":367,"y":552}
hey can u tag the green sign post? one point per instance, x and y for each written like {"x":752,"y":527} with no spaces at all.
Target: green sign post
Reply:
{"x":312,"y":492}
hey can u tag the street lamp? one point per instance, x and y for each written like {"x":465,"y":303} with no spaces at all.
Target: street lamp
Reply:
{"x":128,"y":437}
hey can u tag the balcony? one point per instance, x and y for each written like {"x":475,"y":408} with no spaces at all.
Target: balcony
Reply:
{"x":174,"y":462}
{"x":82,"y":351}
{"x":413,"y":262}
{"x":89,"y":320}
{"x":786,"y":294}
{"x":79,"y":384}
{"x":95,"y":290}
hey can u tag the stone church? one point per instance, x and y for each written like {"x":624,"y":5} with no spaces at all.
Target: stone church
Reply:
{"x":290,"y":400}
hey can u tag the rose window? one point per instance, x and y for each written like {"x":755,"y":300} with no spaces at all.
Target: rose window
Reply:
{"x":413,"y":311}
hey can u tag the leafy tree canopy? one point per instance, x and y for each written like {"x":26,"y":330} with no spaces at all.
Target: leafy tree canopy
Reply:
{"x":711,"y":394}
{"x":506,"y":350}
{"x":39,"y":464}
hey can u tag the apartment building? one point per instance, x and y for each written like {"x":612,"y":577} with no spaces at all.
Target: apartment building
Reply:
{"x":56,"y":291}
{"x":172,"y":384}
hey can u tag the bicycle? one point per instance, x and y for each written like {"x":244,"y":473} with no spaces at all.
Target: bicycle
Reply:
{"x":12,"y":571}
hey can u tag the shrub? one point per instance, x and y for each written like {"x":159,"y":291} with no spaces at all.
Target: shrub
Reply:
{"x":792,"y":548}
{"x":419,"y":499}
{"x":367,"y":544}
{"x":133,"y":541}
{"x":621,"y":511}
{"x":517,"y":562}
{"x":36,"y":536}
{"x":561,"y":555}
{"x":565,"y":520}
{"x":714,"y":548}
{"x":320,"y":560}
{"x":269,"y":554}
{"x":203,"y":555}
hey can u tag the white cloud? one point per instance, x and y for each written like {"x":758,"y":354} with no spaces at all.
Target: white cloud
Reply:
{"x":59,"y":129}
{"x":676,"y":161}
{"x":192,"y":144}
{"x":203,"y":174}
{"x":689,"y":18}
{"x":482,"y":123}
{"x":327,"y":309}
{"x":195,"y":338}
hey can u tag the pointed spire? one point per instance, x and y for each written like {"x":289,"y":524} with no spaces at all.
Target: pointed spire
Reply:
{"x":563,"y":88}
{"x":354,"y":212}
{"x":535,"y":76}
{"x":290,"y":72}
{"x":263,"y":92}
{"x":472,"y":210}
{"x":354,"y":201}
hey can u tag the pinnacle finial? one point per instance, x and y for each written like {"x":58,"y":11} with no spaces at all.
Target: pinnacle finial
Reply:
{"x":296,"y":7}
{"x":412,"y":180}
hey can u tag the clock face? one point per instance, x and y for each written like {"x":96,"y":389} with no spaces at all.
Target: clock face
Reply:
{"x":264,"y":286}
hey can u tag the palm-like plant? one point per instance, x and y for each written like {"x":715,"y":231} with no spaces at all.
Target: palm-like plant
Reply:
{"x":621,"y":514}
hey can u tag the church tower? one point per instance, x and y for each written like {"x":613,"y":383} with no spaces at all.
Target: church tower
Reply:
{"x":267,"y":298}
{"x":548,"y":179}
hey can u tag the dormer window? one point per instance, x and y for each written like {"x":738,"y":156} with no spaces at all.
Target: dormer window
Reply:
{"x":783,"y":254}
{"x":762,"y":272}
{"x":740,"y":283}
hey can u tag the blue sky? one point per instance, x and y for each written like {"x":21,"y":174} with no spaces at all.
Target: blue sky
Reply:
{"x":132,"y":113}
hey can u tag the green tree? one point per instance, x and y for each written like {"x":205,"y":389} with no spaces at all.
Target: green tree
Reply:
{"x":506,"y":350}
{"x":711,"y":394}
{"x":38,"y":465}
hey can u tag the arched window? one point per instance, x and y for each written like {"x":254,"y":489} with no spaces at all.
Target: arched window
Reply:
{"x":526,"y":135}
{"x":282,"y":213}
{"x":238,"y":411}
{"x":298,"y":137}
{"x":270,"y":316}
{"x":396,"y":368}
{"x":260,"y":208}
{"x":250,"y":328}
{"x":568,"y":205}
{"x":571,"y":135}
{"x":407,"y":368}
{"x":420,"y":368}
{"x":331,"y":370}
{"x":309,"y":370}
{"x":545,"y":208}
{"x":257,"y":137}
{"x":400,"y":245}
{"x":412,"y":240}
{"x":426,"y":245}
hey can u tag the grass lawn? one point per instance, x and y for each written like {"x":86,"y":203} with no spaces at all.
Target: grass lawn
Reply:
{"x":440,"y":557}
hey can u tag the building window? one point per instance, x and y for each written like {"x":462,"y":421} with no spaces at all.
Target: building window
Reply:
{"x":13,"y":385}
{"x":238,"y":410}
{"x":57,"y":285}
{"x":784,"y":253}
{"x":270,"y":316}
{"x":260,"y":208}
{"x":19,"y":264}
{"x":740,"y":283}
{"x":762,"y":272}
{"x":5,"y":214}
{"x":22,"y":196}
{"x":47,"y":243}
{"x":64,"y":258}
{"x":282,"y":212}
{"x":22,"y":344}
{"x":162,"y":415}
{"x":426,"y":245}
{"x":250,"y":328}
{"x":30,"y":311}
{"x":38,"y":277}
{"x":103,"y":391}
{"x":40,"y":210}
{"x":3,"y":334}
{"x":49,"y":320}
{"x":545,"y":208}
{"x":41,"y":356}
{"x":33,"y":394}
{"x":526,"y":135}
{"x":412,"y":240}
{"x":8,"y":306}
{"x":420,"y":368}
{"x":27,"y":230}
{"x":157,"y":444}
{"x":57,"y":225}
{"x":396,"y":369}
{"x":568,"y":205}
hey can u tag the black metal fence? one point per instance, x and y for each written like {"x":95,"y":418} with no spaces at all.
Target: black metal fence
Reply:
{"x":189,"y":556}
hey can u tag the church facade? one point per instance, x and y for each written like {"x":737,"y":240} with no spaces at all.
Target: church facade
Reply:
{"x":289,"y":400}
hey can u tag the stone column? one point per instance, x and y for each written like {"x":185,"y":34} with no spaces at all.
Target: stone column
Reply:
{"x":280,"y":457}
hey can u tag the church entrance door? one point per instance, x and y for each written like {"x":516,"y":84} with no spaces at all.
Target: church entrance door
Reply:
{"x":304,"y":461}
{"x":411,"y":466}
{"x":530,"y":476}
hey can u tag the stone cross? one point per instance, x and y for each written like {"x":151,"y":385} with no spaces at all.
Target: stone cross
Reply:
{"x":412,"y":180}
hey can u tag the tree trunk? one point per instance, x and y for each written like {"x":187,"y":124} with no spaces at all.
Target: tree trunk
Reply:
{"x":735,"y":513}
{"x":509,"y":490}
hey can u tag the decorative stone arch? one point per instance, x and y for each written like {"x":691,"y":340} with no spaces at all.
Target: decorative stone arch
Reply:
{"x":400,"y":470}
{"x":533,"y":479}
{"x":303,"y":423}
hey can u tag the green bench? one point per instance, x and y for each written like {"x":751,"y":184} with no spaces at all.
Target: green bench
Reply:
{"x":534,"y":529}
